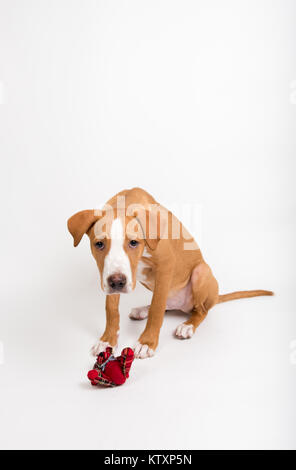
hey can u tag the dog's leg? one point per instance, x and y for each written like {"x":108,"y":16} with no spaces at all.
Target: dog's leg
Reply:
{"x":148,"y":341}
{"x":205,"y":296}
{"x":139,"y":313}
{"x":186,"y":330}
{"x":109,"y":338}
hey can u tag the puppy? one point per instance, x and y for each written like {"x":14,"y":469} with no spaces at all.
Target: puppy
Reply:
{"x":133,"y":238}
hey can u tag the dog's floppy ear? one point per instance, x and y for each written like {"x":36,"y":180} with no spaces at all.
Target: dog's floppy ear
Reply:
{"x":153,"y":222}
{"x":152,"y":239}
{"x":80,"y":223}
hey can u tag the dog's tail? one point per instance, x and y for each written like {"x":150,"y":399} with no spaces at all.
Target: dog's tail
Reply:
{"x":243,"y":295}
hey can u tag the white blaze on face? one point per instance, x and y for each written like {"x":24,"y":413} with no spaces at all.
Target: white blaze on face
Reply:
{"x":117,"y":260}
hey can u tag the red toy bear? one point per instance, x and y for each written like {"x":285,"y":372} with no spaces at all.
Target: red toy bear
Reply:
{"x":111,"y":371}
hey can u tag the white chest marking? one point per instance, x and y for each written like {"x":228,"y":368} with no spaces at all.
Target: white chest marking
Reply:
{"x":146,"y":253}
{"x":117,"y":260}
{"x":141,"y":276}
{"x":144,"y":268}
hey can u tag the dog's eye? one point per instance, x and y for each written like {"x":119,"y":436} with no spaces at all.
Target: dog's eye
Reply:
{"x":133,"y":243}
{"x":100,"y":245}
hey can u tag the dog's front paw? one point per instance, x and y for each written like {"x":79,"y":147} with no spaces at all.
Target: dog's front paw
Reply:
{"x":139,"y":313}
{"x":184,"y":331}
{"x":142,"y":351}
{"x":99,"y":347}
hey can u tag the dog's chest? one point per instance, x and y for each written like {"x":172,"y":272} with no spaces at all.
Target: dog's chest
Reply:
{"x":145,"y":271}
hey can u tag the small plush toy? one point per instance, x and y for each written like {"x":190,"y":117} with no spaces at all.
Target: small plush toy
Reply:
{"x":111,"y":371}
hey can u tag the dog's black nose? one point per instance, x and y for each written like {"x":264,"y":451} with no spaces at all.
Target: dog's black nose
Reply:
{"x":117,"y":281}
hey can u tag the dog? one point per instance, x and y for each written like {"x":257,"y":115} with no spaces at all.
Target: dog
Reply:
{"x":133,"y":238}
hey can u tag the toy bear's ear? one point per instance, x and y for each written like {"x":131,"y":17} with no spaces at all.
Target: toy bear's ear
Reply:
{"x":81,"y":222}
{"x":128,"y":352}
{"x":108,"y":351}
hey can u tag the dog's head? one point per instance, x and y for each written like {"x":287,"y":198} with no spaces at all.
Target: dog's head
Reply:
{"x":117,"y":243}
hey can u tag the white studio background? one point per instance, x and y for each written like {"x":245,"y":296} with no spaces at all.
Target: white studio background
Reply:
{"x":195,"y":101}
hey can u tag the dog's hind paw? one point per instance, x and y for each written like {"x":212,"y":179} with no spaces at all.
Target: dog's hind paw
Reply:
{"x":184,"y":331}
{"x":139,"y":313}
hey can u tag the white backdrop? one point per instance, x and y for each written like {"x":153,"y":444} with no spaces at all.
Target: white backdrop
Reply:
{"x":195,"y":101}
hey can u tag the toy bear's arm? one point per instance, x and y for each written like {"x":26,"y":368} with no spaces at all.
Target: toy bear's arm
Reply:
{"x":96,"y":377}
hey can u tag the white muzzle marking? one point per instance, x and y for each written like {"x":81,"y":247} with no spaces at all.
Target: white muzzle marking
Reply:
{"x":117,"y":260}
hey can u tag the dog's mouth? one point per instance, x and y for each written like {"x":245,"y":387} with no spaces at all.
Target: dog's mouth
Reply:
{"x":114,"y":290}
{"x":119,"y":288}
